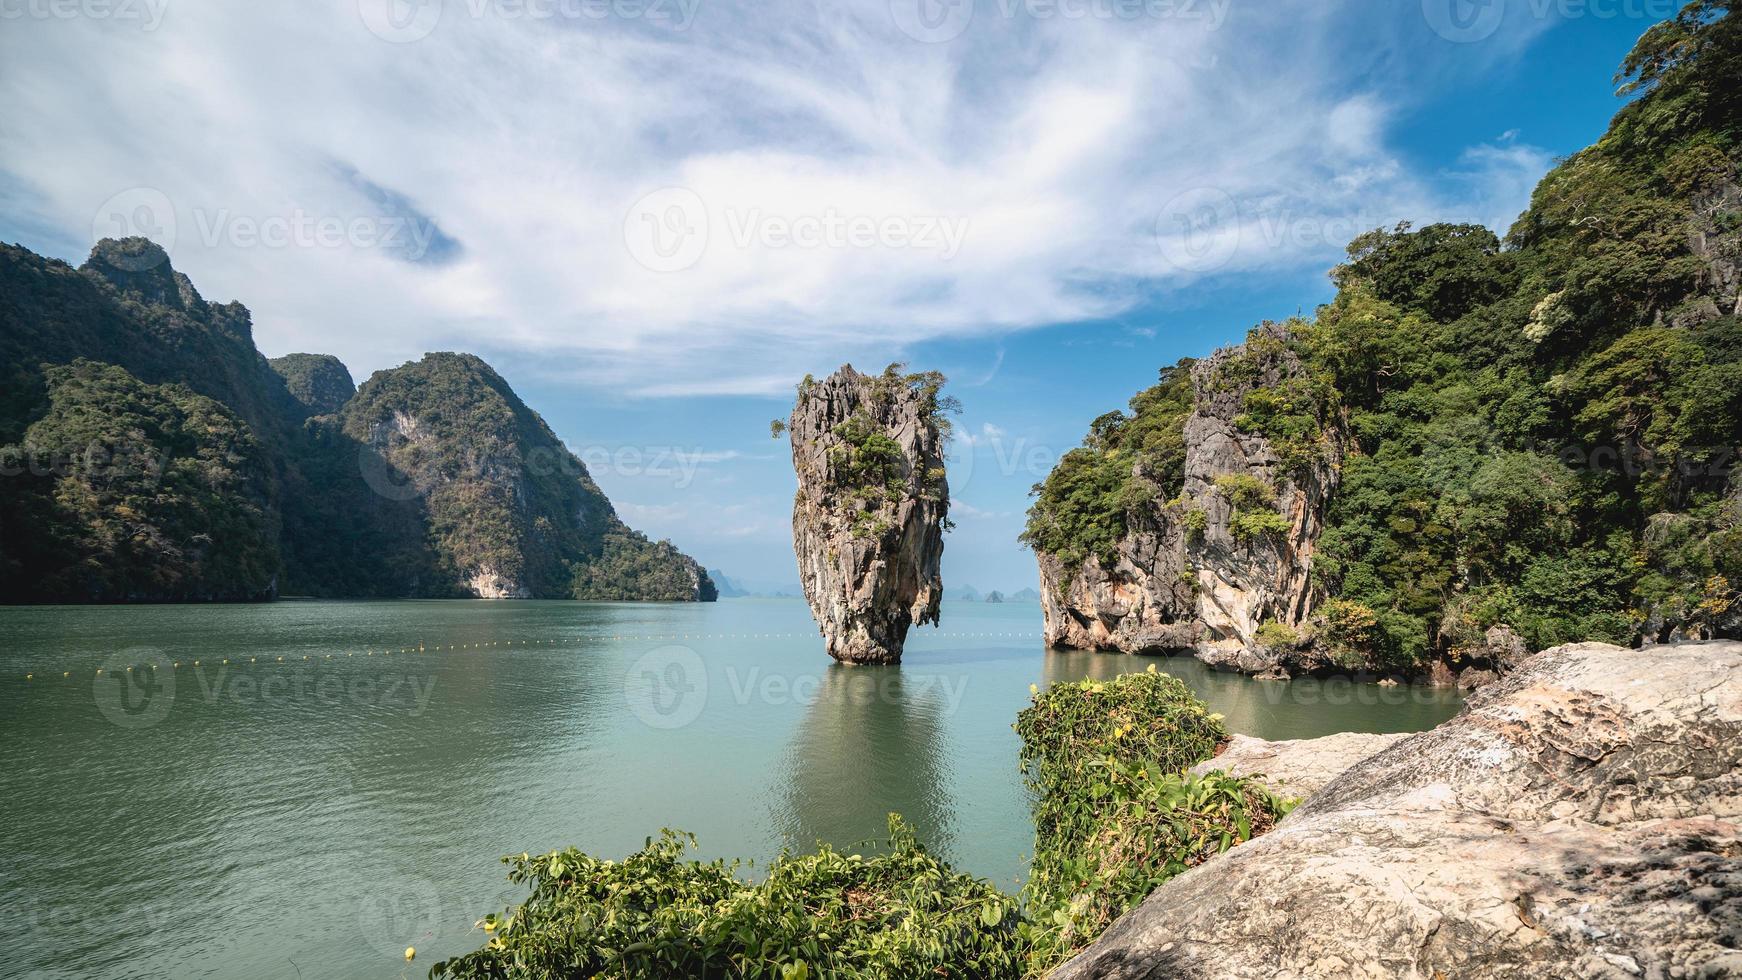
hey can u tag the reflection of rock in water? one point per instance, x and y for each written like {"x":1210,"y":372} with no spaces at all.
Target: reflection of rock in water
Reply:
{"x":871,"y":743}
{"x":1069,"y":666}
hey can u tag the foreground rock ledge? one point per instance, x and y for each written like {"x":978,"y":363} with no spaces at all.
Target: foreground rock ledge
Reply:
{"x":1296,"y":768}
{"x":1580,"y":818}
{"x":868,"y":520}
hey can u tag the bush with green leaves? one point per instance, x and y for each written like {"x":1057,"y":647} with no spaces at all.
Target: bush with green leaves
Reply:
{"x":656,"y":915}
{"x":1115,"y":816}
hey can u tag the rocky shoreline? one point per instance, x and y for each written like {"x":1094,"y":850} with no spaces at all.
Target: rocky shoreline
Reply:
{"x":1475,"y":668}
{"x":1580,"y":818}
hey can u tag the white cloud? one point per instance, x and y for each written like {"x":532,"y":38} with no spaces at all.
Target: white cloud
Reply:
{"x":959,"y":508}
{"x":1054,"y":148}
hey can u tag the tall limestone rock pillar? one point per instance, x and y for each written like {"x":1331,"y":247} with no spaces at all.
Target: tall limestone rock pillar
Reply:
{"x":868,"y":522}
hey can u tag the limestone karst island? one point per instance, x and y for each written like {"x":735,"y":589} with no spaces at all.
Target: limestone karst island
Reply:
{"x":1255,"y":490}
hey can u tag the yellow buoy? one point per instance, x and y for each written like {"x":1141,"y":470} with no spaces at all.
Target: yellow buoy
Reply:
{"x":410,"y":951}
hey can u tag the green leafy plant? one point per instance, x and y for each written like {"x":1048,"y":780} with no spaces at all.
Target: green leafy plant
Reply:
{"x":1115,"y":816}
{"x":656,"y":915}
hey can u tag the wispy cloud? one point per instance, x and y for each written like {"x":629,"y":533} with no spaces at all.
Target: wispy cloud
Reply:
{"x":712,"y":200}
{"x":959,"y":508}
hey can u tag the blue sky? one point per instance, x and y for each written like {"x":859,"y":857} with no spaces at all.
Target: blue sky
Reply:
{"x":653,"y":219}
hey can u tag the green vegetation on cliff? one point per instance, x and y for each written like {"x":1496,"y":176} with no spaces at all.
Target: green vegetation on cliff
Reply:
{"x":507,"y":505}
{"x":1084,"y":506}
{"x":320,"y":382}
{"x":134,"y":490}
{"x":308,"y":488}
{"x":630,"y":567}
{"x":1544,"y":429}
{"x":1114,"y":817}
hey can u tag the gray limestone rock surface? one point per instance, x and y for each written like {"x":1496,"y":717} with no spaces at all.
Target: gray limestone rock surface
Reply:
{"x":1581,"y":818}
{"x":1295,"y":767}
{"x":1173,"y":588}
{"x":868,"y":519}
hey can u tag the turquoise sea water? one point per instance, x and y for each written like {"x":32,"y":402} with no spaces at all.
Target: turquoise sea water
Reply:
{"x":342,"y":786}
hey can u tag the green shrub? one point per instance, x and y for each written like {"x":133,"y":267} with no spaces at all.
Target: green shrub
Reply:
{"x":1139,"y":828}
{"x":655,"y":915}
{"x":1254,"y":502}
{"x":1114,"y":816}
{"x":1348,"y":629}
{"x":1255,"y":524}
{"x":1197,"y":521}
{"x":1245,"y":491}
{"x":1275,"y":634}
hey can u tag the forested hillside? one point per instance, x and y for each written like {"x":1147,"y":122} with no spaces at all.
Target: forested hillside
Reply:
{"x":1538,"y":432}
{"x":151,"y":453}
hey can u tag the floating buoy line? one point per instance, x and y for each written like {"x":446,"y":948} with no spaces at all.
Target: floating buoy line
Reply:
{"x":515,"y":644}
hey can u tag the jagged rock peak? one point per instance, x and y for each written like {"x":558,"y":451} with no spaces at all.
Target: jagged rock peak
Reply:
{"x":320,"y":382}
{"x":139,"y":268}
{"x":869,"y":518}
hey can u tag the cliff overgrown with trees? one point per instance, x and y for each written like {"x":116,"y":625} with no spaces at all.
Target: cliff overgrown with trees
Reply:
{"x":148,"y":452}
{"x":1541,"y":430}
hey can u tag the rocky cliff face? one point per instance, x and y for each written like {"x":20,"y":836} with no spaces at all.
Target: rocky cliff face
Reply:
{"x":1714,"y":237}
{"x":1205,"y":570}
{"x":868,"y":520}
{"x":1581,"y":818}
{"x":511,"y":513}
{"x":275,"y":478}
